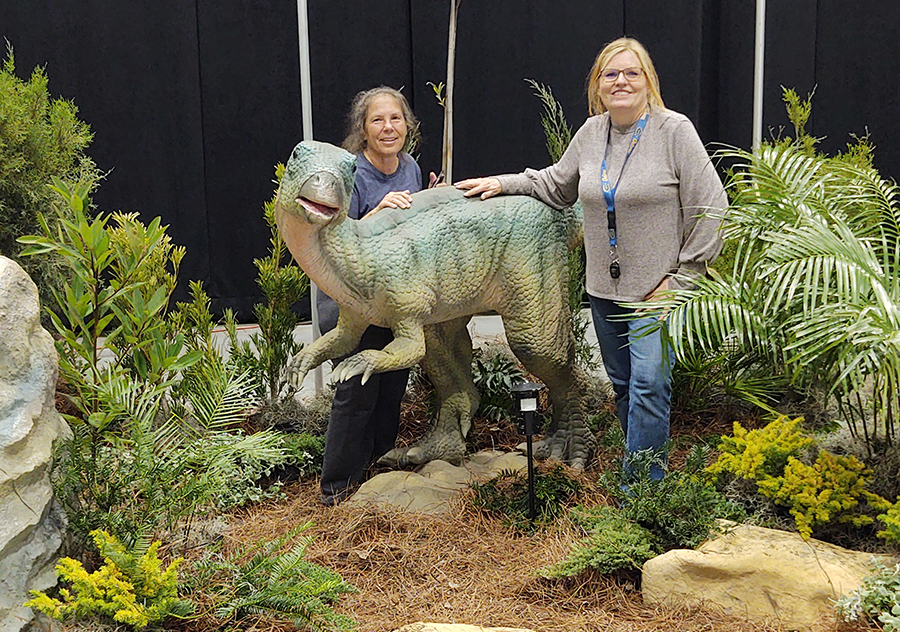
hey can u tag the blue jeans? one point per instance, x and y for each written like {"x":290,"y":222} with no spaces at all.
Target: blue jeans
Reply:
{"x":641,"y":375}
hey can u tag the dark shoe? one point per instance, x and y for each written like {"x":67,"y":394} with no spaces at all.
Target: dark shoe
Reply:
{"x":336,"y":497}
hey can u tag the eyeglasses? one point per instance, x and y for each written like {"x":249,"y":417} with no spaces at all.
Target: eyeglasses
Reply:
{"x":631,"y":74}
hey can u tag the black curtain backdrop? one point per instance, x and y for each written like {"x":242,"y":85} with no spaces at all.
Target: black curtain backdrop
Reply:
{"x":193,"y":103}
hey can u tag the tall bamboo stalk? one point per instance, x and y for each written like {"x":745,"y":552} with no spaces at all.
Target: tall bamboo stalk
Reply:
{"x":447,"y":157}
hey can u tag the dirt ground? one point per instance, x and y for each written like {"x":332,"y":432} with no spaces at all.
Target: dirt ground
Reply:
{"x":465,"y":568}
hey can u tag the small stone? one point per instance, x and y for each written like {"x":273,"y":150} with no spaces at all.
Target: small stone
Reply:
{"x":436,"y":484}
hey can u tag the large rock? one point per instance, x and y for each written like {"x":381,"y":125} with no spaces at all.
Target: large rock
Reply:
{"x":432,"y":488}
{"x":453,"y":627}
{"x":759,"y":574}
{"x":31,"y":525}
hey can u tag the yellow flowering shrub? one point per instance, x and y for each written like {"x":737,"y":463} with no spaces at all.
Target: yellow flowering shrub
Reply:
{"x":834,"y":488}
{"x":755,"y":454}
{"x":830,"y":489}
{"x":128,"y":588}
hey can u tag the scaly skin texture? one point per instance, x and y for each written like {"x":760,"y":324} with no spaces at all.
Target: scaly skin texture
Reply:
{"x":424,"y":272}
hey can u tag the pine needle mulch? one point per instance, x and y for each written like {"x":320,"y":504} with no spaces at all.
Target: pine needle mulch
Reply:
{"x":464,"y":567}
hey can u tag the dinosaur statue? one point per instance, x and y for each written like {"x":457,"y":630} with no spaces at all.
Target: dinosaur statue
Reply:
{"x":423,"y":272}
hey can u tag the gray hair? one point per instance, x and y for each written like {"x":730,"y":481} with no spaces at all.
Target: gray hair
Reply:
{"x":355,"y":141}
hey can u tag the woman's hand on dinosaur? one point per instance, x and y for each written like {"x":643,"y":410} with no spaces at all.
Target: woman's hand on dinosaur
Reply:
{"x":394,"y":199}
{"x":485,"y":187}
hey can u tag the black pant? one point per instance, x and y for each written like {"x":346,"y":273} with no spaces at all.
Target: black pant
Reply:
{"x":364,"y":420}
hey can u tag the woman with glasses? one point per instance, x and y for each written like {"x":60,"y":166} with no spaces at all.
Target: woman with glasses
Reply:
{"x":645,"y":182}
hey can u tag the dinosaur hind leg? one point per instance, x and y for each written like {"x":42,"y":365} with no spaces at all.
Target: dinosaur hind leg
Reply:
{"x":544,"y":344}
{"x":448,"y":362}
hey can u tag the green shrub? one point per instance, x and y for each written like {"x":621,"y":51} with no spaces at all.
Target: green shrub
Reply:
{"x":131,"y":587}
{"x":507,"y":494}
{"x":494,"y":371}
{"x":613,"y":543}
{"x":680,"y":510}
{"x":833,"y":489}
{"x":283,"y":284}
{"x":265,"y":581}
{"x":40,"y":137}
{"x":303,"y":451}
{"x":830,"y":489}
{"x":147,"y":453}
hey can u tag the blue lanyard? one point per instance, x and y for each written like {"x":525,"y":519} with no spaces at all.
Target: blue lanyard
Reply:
{"x":609,"y":191}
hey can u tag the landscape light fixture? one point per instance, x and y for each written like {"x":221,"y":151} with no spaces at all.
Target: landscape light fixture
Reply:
{"x":526,"y":396}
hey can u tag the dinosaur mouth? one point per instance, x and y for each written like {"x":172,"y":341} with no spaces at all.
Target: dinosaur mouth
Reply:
{"x":322,"y":210}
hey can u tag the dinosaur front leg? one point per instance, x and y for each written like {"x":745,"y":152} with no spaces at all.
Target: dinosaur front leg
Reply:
{"x":407,"y":349}
{"x":338,"y":342}
{"x":448,"y":362}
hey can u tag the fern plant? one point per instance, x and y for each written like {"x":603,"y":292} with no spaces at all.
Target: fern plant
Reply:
{"x":271,"y":580}
{"x":494,"y":371}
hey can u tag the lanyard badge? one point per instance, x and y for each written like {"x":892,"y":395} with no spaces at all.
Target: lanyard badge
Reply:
{"x":609,"y":192}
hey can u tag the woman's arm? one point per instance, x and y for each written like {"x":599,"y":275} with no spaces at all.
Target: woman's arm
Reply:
{"x":703,"y":201}
{"x":556,"y":185}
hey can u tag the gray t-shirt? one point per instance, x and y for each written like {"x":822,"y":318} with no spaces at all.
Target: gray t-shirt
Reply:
{"x":667,"y":183}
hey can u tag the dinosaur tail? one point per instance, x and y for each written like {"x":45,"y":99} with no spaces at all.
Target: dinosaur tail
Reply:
{"x":575,"y":216}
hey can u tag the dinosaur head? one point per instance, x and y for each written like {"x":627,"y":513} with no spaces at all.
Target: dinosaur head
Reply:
{"x":317,"y":184}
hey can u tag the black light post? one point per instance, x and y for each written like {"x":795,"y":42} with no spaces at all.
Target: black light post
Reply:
{"x":526,"y":396}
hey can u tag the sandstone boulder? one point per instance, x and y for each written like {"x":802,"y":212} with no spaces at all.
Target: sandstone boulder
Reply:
{"x":31,"y":525}
{"x":763,"y":575}
{"x":432,"y":488}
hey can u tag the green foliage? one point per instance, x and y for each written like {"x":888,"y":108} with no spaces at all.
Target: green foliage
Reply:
{"x":266,"y":354}
{"x":756,"y":454}
{"x":131,"y":587}
{"x":613,"y":543}
{"x":680,"y":510}
{"x":877,"y":599}
{"x":507,"y":494}
{"x":271,"y":580}
{"x":40,"y":138}
{"x":304,"y":452}
{"x":494,"y":372}
{"x":721,"y":379}
{"x":814,"y":288}
{"x":153,"y":441}
{"x":556,"y":128}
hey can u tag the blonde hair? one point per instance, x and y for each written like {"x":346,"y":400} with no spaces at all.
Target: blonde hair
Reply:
{"x":355,"y":141}
{"x":595,"y":105}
